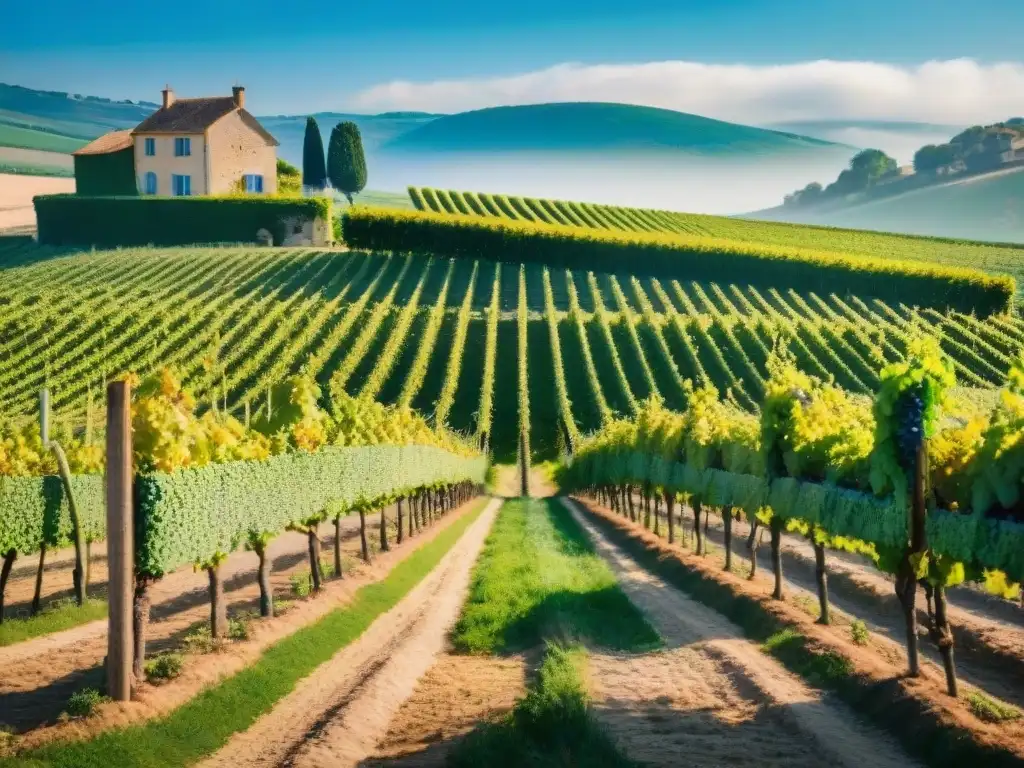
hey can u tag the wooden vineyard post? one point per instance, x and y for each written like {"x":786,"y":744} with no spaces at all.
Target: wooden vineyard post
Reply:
{"x":906,"y":579}
{"x":524,"y":466}
{"x":120,"y":545}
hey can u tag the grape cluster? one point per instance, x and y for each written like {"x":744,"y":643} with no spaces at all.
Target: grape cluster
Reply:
{"x":909,"y":425}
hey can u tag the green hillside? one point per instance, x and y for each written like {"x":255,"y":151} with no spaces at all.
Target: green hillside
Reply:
{"x":74,"y":115}
{"x":441,"y":335}
{"x":989,"y":207}
{"x":1001,"y":259}
{"x":29,"y":138}
{"x":596,"y":126}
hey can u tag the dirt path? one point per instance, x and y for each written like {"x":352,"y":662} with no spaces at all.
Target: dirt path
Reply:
{"x":507,"y":482}
{"x":990,"y":653}
{"x":336,"y":716}
{"x":456,"y":695}
{"x":713,"y":698}
{"x":40,"y":674}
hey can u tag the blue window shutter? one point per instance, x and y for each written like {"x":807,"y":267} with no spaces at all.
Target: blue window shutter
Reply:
{"x":188,"y":185}
{"x":150,"y":183}
{"x":259,"y":184}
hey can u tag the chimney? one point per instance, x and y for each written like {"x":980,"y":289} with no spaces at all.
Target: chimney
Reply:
{"x":238,"y":94}
{"x":168,"y":96}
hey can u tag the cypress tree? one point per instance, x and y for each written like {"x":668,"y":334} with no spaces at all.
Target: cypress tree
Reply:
{"x":314,"y":170}
{"x":346,"y":164}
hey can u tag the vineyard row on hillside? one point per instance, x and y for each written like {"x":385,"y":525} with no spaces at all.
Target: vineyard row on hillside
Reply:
{"x":442,"y":336}
{"x":995,"y":258}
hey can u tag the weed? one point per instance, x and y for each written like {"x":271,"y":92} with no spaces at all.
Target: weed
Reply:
{"x":859,"y":632}
{"x":302,"y":581}
{"x":6,"y":741}
{"x":84,"y":702}
{"x":199,"y":640}
{"x":550,"y":727}
{"x":166,"y":666}
{"x":238,"y":626}
{"x":990,"y":710}
{"x":302,"y":585}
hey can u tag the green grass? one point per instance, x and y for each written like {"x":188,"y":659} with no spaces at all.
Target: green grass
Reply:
{"x":551,"y":726}
{"x":539,"y":579}
{"x":205,"y":723}
{"x":62,"y":615}
{"x":27,"y":138}
{"x":991,"y":711}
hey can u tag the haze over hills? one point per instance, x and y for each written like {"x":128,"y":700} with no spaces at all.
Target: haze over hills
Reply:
{"x":592,"y":126}
{"x":988,"y":207}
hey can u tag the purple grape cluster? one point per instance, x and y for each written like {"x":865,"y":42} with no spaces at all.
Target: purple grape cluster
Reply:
{"x":909,"y":425}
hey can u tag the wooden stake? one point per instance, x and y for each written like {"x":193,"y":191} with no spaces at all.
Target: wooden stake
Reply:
{"x":120,"y":546}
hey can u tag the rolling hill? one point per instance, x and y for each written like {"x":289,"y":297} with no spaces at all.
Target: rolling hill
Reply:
{"x":989,"y":208}
{"x":585,"y":126}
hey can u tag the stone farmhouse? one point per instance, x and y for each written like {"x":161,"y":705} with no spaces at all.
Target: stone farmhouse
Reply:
{"x":202,"y":146}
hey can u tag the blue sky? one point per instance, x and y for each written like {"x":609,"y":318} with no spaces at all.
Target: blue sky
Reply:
{"x":304,"y":56}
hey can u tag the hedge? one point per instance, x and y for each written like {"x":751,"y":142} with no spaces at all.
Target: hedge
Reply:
{"x":188,"y":516}
{"x":690,"y":257}
{"x":34,"y":510}
{"x":113,"y":221}
{"x":112,"y":173}
{"x":968,"y":538}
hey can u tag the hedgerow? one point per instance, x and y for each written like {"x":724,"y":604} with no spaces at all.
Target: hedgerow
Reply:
{"x":695,"y":257}
{"x":81,"y":220}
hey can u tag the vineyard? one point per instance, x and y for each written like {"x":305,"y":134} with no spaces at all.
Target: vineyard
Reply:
{"x":445,"y":337}
{"x":1006,"y":259}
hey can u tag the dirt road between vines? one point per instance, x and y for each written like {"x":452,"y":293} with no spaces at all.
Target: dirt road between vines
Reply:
{"x":337,"y":715}
{"x":713,"y":698}
{"x":43,"y":672}
{"x":990,"y":653}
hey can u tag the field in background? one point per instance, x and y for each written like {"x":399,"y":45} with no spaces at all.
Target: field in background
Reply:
{"x":446,"y":337}
{"x":16,"y":193}
{"x":1004,"y":259}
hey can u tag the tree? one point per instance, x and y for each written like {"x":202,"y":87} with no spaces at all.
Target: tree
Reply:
{"x":346,"y":164}
{"x":932,"y":157}
{"x":314,"y":170}
{"x":872,"y":164}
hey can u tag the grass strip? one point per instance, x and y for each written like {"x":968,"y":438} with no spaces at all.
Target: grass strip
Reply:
{"x":551,"y":726}
{"x":61,"y":615}
{"x":885,"y":703}
{"x":538,"y":579}
{"x":205,"y":723}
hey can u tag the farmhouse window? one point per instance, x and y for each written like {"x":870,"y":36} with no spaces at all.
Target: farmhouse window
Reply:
{"x":182,"y":147}
{"x":181,"y":185}
{"x":150,"y":147}
{"x":150,"y":183}
{"x":253,"y":182}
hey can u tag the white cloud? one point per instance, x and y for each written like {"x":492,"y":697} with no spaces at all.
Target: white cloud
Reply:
{"x":959,"y":91}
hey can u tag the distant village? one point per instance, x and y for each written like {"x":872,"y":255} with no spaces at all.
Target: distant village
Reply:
{"x":873,"y":174}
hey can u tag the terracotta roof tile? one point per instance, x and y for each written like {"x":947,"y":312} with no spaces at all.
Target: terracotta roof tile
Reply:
{"x":114,"y":141}
{"x":187,"y":115}
{"x":196,"y":115}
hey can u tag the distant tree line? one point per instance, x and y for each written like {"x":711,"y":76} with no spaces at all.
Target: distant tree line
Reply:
{"x":976,"y":150}
{"x":867,"y":168}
